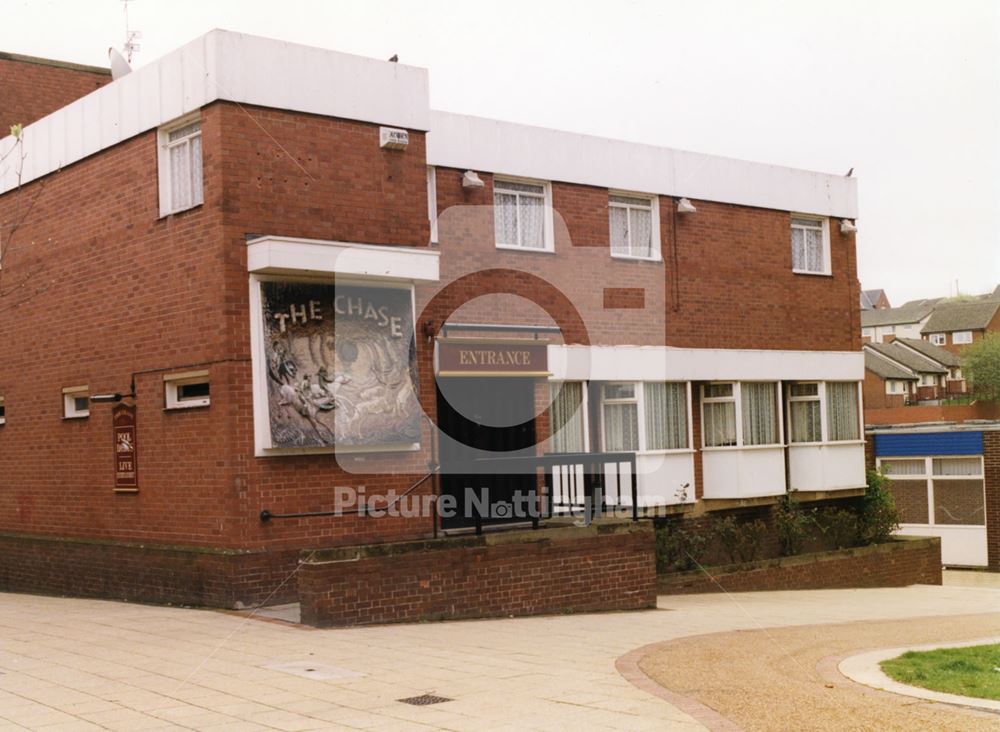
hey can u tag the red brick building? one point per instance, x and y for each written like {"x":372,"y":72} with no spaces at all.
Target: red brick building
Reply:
{"x":313,"y":287}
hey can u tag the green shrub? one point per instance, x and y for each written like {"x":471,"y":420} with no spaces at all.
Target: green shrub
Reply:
{"x":678,"y":548}
{"x":879,"y":515}
{"x":792,"y":523}
{"x":741,"y":540}
{"x":840,"y":525}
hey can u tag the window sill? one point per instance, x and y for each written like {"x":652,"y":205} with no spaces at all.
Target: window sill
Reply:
{"x":681,"y":451}
{"x":167,"y":214}
{"x":529,"y":250}
{"x":814,"y":274}
{"x":832,"y":443}
{"x":186,"y":407}
{"x":631,"y":258}
{"x":731,"y":448}
{"x":69,"y":417}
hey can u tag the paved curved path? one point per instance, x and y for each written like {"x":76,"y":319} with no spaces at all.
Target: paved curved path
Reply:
{"x":68,"y":664}
{"x":787,"y":678}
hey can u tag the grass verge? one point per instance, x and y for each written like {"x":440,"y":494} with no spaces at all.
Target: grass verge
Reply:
{"x":972,"y":671}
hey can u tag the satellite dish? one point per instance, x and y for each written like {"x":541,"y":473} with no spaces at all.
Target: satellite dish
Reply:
{"x":119,"y":66}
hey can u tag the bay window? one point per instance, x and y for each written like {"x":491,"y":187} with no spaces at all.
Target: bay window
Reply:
{"x":568,"y":411}
{"x":740,"y":414}
{"x":804,"y":416}
{"x":644,"y":417}
{"x":719,"y":410}
{"x":843,"y":422}
{"x":760,"y":413}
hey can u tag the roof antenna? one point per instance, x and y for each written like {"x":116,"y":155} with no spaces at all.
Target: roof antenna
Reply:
{"x":131,"y":36}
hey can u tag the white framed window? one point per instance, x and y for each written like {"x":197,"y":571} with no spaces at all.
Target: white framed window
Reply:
{"x":186,"y":390}
{"x":805,"y":419}
{"x":634,"y":223}
{"x":936,"y":491}
{"x":718,"y":406}
{"x":938,"y":339}
{"x":740,"y":414}
{"x":569,"y":416}
{"x":180,"y":165}
{"x":3,"y":412}
{"x":842,"y":414}
{"x":522,"y":215}
{"x":894,"y":386}
{"x":432,"y":203}
{"x":960,"y":337}
{"x":810,"y":245}
{"x":76,"y":402}
{"x":645,"y":416}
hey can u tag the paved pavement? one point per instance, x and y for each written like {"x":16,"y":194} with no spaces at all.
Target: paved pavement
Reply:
{"x":71,"y":664}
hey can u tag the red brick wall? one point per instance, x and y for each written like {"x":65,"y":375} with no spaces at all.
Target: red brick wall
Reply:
{"x":893,"y":564}
{"x":931,"y":413}
{"x":525,"y":573}
{"x":29,"y":90}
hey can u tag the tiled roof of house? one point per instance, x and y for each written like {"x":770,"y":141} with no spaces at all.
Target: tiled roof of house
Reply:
{"x":906,"y":357}
{"x":928,"y":349}
{"x":911,"y":312}
{"x":869,"y":298}
{"x":949,"y":317}
{"x":886,"y":370}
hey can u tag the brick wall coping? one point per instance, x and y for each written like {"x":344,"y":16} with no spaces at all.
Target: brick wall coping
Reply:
{"x":142,"y":545}
{"x":898,"y":543}
{"x":563,"y":530}
{"x":21,"y":58}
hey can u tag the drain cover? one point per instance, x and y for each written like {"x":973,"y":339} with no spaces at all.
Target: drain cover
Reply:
{"x":424,"y":699}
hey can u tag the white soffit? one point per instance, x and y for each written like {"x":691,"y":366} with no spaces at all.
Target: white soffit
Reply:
{"x":227,"y":66}
{"x":466,"y":142}
{"x":279,"y":255}
{"x":662,"y":363}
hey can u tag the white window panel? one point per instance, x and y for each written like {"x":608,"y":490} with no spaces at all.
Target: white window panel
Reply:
{"x":645,"y":417}
{"x":843,"y":422}
{"x":568,"y":417}
{"x":180,"y":166}
{"x":666,"y":415}
{"x":958,"y":466}
{"x":634,"y":226}
{"x":805,"y":413}
{"x":759,"y":405}
{"x":186,"y":390}
{"x":719,"y":415}
{"x":522,"y":215}
{"x":810,"y":245}
{"x":938,"y":339}
{"x":960,"y":337}
{"x":76,"y":402}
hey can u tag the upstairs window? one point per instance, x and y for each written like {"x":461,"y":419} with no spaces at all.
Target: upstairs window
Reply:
{"x":634,"y":226}
{"x":960,"y":337}
{"x":520,"y":215}
{"x":810,"y":245}
{"x":180,"y":166}
{"x":938,"y":339}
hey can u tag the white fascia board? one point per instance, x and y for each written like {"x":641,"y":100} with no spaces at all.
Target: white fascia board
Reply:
{"x":280,"y":255}
{"x":466,"y":142}
{"x":227,"y":66}
{"x":663,"y":363}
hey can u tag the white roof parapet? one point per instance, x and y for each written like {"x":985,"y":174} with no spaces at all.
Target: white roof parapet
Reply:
{"x":476,"y":143}
{"x":223,"y":65}
{"x":227,"y":66}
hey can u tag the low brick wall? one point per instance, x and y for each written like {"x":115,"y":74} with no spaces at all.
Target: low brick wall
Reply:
{"x":175,"y":575}
{"x":903,"y":561}
{"x":605,"y":566}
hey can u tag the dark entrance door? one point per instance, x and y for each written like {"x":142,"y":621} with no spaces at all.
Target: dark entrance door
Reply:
{"x":482,"y":418}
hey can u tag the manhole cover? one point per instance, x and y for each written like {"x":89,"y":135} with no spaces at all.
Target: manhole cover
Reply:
{"x":424,"y":699}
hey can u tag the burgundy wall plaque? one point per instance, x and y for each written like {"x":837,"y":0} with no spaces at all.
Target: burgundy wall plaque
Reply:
{"x":482,"y":357}
{"x":126,"y":465}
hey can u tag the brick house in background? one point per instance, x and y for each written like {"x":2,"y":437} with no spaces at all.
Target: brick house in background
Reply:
{"x":310,"y":284}
{"x":955,"y":325}
{"x":874,"y":300}
{"x":887,"y":384}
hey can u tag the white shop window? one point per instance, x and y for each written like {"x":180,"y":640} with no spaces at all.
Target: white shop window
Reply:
{"x":634,"y":224}
{"x":76,"y":402}
{"x":938,"y":339}
{"x":186,"y":390}
{"x":938,"y":491}
{"x":960,"y":337}
{"x":522,"y":215}
{"x":810,"y":245}
{"x":180,"y":166}
{"x":645,"y":417}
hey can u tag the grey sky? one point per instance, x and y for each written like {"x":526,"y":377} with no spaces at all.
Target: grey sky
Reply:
{"x":906,"y":92}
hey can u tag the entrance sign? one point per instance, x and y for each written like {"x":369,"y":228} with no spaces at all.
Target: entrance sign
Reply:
{"x":126,"y":466}
{"x":341,"y":366}
{"x":491,"y":357}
